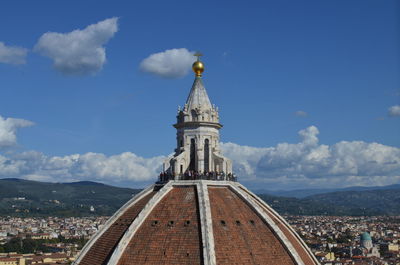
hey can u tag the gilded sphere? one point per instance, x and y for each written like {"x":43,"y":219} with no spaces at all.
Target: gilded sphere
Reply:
{"x":198,"y":68}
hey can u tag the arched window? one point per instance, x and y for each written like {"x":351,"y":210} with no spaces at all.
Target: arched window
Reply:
{"x":206,"y":156}
{"x":194,"y":115}
{"x":192,"y":165}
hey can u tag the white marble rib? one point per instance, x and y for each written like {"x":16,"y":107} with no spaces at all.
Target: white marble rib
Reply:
{"x":280,"y":235}
{"x":111,"y":220}
{"x":207,"y":234}
{"x":123,"y":243}
{"x":280,"y":218}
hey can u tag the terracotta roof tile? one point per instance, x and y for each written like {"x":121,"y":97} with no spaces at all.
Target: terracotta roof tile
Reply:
{"x":240,"y":235}
{"x":103,"y":248}
{"x":170,"y":234}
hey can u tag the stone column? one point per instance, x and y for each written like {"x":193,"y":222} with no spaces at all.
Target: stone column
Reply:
{"x":200,"y":159}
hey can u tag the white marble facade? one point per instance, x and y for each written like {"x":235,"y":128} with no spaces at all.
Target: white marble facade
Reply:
{"x":197,"y":136}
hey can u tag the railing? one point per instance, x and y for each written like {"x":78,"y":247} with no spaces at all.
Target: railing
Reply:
{"x":220,"y":176}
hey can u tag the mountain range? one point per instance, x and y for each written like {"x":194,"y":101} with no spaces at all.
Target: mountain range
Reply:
{"x":33,"y":198}
{"x":302,"y":193}
{"x":20,"y":197}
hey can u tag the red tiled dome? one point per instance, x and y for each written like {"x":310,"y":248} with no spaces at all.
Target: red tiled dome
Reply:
{"x":196,"y":222}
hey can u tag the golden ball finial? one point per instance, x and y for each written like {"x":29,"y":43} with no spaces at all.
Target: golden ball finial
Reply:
{"x":198,"y":66}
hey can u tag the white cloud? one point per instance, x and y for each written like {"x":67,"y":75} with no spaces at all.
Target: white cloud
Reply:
{"x":394,"y":111}
{"x":125,"y":167}
{"x":172,"y":63}
{"x":78,"y":52}
{"x":8,"y":130}
{"x":33,"y":165}
{"x":304,"y":164}
{"x":12,"y":54}
{"x":309,"y":163}
{"x":301,"y":113}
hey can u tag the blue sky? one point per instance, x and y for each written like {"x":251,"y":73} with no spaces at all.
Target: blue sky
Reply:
{"x":274,"y":68}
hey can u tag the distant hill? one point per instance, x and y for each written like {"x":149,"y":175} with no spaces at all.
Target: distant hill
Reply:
{"x":302,"y":193}
{"x":355,"y":203}
{"x":32,"y":198}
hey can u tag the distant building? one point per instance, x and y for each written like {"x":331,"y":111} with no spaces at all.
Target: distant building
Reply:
{"x":41,"y":236}
{"x":325,"y":256}
{"x":366,"y":241}
{"x":390,"y":247}
{"x":12,"y":261}
{"x":366,"y":248}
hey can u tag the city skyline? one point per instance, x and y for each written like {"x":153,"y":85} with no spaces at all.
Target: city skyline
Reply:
{"x":308,"y":92}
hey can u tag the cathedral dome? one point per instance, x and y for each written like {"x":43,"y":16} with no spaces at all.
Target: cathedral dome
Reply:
{"x":196,"y":222}
{"x":366,"y":241}
{"x":365,"y":236}
{"x":197,"y":213}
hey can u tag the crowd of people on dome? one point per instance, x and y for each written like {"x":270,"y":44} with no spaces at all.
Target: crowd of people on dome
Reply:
{"x":196,"y":175}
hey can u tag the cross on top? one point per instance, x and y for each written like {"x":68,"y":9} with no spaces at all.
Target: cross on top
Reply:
{"x":198,"y":54}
